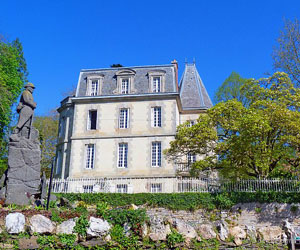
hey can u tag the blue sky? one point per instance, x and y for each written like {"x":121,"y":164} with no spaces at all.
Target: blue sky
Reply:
{"x":62,"y":37}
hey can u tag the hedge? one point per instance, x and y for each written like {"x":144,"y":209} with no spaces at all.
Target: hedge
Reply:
{"x":183,"y":201}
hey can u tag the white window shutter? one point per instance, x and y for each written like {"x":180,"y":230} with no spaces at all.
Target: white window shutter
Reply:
{"x":152,"y":117}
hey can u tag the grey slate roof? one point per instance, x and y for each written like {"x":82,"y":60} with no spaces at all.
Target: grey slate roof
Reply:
{"x":141,"y":79}
{"x":192,"y":90}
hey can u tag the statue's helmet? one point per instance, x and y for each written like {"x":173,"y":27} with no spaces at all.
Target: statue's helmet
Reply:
{"x":29,"y":84}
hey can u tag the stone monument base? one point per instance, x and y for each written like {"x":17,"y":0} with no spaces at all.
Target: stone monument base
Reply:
{"x":23,"y":178}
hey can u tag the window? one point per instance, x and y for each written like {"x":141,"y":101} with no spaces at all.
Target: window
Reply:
{"x":90,"y":156}
{"x":156,"y":85}
{"x":94,"y":87}
{"x":122,"y":188}
{"x":156,"y":188}
{"x":92,"y":120}
{"x":191,"y":158}
{"x":191,"y":123}
{"x":156,"y":116}
{"x":123,"y":152}
{"x":157,"y":80}
{"x":124,"y":118}
{"x":156,"y":154}
{"x":125,"y":86}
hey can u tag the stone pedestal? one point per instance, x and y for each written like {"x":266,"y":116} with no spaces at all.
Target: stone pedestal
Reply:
{"x":23,"y":178}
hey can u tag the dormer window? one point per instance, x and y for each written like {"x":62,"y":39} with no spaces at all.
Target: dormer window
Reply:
{"x":156,"y":81}
{"x":125,"y":82}
{"x":125,"y":86}
{"x":94,"y":87}
{"x":94,"y":84}
{"x":156,"y":84}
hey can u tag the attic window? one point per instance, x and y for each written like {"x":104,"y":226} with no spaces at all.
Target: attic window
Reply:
{"x":94,"y":85}
{"x":125,"y":81}
{"x":156,"y":81}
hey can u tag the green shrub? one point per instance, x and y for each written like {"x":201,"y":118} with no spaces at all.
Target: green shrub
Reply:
{"x":118,"y":235}
{"x":294,"y":208}
{"x":81,"y":225}
{"x":134,"y":218}
{"x":67,"y":240}
{"x":47,"y":241}
{"x":101,"y":208}
{"x":55,"y":216}
{"x":174,"y":238}
{"x":183,"y":201}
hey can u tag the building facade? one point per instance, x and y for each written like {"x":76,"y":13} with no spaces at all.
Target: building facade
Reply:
{"x":121,"y":119}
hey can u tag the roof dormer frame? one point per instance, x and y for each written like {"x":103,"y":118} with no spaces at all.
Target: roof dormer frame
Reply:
{"x":125,"y":74}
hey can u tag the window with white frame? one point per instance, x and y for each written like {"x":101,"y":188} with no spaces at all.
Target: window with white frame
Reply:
{"x":94,"y":87}
{"x":156,"y":116}
{"x":90,"y":156}
{"x":156,"y":188}
{"x":122,"y":188}
{"x":156,"y":154}
{"x":122,"y":155}
{"x":124,"y":85}
{"x":92,"y":120}
{"x":156,"y":84}
{"x":191,"y":157}
{"x":191,"y":123}
{"x":124,"y":118}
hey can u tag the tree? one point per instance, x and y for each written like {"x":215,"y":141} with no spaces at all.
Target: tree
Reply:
{"x":286,"y":55}
{"x":116,"y":65}
{"x":48,"y":129}
{"x":231,"y":89}
{"x":259,"y":140}
{"x":13,"y":76}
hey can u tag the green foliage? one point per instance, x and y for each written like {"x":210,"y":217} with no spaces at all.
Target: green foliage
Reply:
{"x":294,"y":208}
{"x":101,"y":208}
{"x":223,"y":201}
{"x":134,"y":218}
{"x":48,"y":129}
{"x":116,"y":65}
{"x":174,"y":238}
{"x":67,"y":240}
{"x":231,"y":89}
{"x":47,"y":241}
{"x":81,"y":225}
{"x":118,"y":235}
{"x":55,"y":216}
{"x":178,"y":201}
{"x":257,"y":140}
{"x":258,"y":209}
{"x":13,"y":73}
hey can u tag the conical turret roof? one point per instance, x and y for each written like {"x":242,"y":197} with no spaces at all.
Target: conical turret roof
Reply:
{"x":193,"y":93}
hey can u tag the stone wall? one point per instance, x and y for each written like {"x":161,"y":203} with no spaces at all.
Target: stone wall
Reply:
{"x":244,"y":223}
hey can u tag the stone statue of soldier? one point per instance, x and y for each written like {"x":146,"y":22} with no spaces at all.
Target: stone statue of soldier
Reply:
{"x":25,"y":109}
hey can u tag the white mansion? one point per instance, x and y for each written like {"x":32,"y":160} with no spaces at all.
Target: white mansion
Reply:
{"x":121,"y":119}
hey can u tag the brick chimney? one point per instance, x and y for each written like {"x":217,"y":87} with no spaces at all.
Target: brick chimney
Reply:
{"x":174,"y":62}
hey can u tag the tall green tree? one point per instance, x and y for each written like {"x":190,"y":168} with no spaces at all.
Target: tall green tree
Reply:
{"x":48,"y":129}
{"x":286,"y":54}
{"x":259,"y":140}
{"x":13,"y":76}
{"x":231,"y":89}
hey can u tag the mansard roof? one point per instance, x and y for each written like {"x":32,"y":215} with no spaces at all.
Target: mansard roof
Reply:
{"x":140,"y":75}
{"x":193,"y":93}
